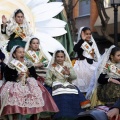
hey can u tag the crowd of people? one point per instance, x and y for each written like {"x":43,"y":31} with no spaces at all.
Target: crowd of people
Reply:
{"x":38,"y":85}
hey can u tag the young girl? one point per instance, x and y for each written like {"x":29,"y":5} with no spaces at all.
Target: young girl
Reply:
{"x":22,"y":94}
{"x":38,"y":56}
{"x":17,"y":29}
{"x":108,"y":77}
{"x":67,"y":97}
{"x":88,"y":55}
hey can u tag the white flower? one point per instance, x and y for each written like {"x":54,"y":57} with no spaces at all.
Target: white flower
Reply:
{"x":40,"y":14}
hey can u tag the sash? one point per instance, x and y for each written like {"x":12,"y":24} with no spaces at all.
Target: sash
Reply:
{"x":34,"y":57}
{"x":86,"y":47}
{"x":112,"y":68}
{"x":19,"y":32}
{"x":62,"y":88}
{"x":58,"y":68}
{"x":43,"y":59}
{"x":21,"y":68}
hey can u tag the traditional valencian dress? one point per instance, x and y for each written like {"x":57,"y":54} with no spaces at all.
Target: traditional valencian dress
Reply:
{"x":25,"y":96}
{"x":104,"y":90}
{"x":88,"y":55}
{"x":37,"y":57}
{"x":18,"y":34}
{"x":101,"y":91}
{"x":40,"y":56}
{"x":67,"y":96}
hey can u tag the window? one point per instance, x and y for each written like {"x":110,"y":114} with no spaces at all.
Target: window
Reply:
{"x":84,"y":8}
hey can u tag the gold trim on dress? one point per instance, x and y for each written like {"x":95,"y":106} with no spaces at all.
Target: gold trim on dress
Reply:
{"x":21,"y":68}
{"x":85,"y":46}
{"x":19,"y":32}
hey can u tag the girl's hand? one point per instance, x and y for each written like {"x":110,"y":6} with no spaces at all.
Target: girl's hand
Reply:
{"x":4,"y":20}
{"x":66,"y":70}
{"x":21,"y":75}
{"x":92,"y":53}
{"x":83,"y":35}
{"x":39,"y":65}
{"x":27,"y":73}
{"x":118,"y":71}
{"x":114,"y":81}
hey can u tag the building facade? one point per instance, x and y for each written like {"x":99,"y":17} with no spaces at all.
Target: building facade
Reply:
{"x":85,"y":14}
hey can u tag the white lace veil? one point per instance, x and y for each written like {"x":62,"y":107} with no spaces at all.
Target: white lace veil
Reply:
{"x":11,"y":25}
{"x":92,"y":39}
{"x":44,"y":52}
{"x":67,"y":58}
{"x":100,"y":67}
{"x":11,"y":56}
{"x":79,"y":34}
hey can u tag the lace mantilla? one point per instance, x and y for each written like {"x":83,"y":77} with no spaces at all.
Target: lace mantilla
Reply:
{"x":29,"y":95}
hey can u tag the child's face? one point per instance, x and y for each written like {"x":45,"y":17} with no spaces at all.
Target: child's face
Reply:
{"x":19,"y":18}
{"x":19,"y":54}
{"x":88,"y":35}
{"x":116,"y":57}
{"x":34,"y":44}
{"x":60,"y":58}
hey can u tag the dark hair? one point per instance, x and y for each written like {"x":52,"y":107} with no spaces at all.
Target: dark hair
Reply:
{"x":85,"y":28}
{"x":2,"y":55}
{"x":16,"y":50}
{"x":60,"y":51}
{"x":113,"y":51}
{"x":19,"y":11}
{"x":33,"y":39}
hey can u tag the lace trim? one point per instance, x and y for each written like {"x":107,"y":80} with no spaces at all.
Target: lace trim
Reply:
{"x":29,"y":95}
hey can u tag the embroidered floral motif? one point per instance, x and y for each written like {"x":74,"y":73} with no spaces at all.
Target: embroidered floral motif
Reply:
{"x":19,"y":32}
{"x":112,"y":68}
{"x":29,"y":95}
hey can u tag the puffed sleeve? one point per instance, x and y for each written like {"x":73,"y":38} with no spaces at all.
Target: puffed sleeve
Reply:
{"x":10,"y":74}
{"x":77,"y":46}
{"x":72,"y":75}
{"x":32,"y":72}
{"x":49,"y":78}
{"x":102,"y":79}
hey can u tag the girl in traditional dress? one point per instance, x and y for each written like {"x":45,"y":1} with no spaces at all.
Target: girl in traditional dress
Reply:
{"x":88,"y":55}
{"x":22,"y":95}
{"x":68,"y":98}
{"x":39,"y":56}
{"x":107,"y":78}
{"x":17,"y":29}
{"x":110,"y":78}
